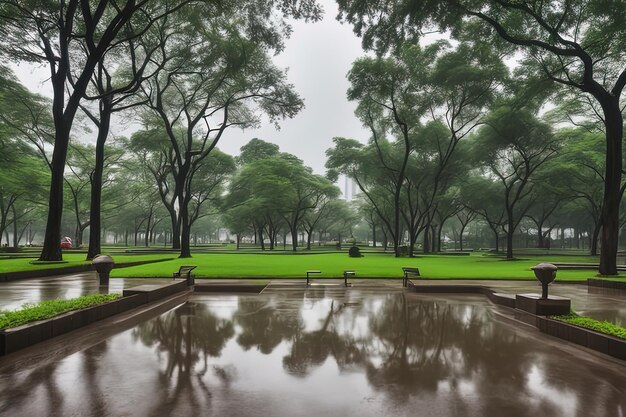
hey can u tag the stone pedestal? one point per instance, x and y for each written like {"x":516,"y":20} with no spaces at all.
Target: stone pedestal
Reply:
{"x":551,"y":306}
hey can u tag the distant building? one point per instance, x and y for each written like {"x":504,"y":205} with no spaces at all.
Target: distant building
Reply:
{"x":350,"y":189}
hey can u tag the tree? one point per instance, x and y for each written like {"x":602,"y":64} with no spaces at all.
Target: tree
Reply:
{"x":483,"y":196}
{"x":256,"y":149}
{"x":578,"y":45}
{"x":583,"y":169}
{"x":327,"y":194}
{"x":512,"y":146}
{"x":464,"y":217}
{"x":361,"y":163}
{"x":213,"y":78}
{"x":391,"y":101}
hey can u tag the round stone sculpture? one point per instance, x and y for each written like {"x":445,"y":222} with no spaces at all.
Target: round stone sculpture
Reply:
{"x":103,"y":264}
{"x":545,"y":273}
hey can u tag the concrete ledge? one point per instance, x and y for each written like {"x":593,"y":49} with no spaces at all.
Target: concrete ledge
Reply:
{"x":605,"y":283}
{"x":551,"y":306}
{"x":150,"y":293}
{"x":507,"y":300}
{"x":600,"y":342}
{"x":29,"y":334}
{"x":248,"y":288}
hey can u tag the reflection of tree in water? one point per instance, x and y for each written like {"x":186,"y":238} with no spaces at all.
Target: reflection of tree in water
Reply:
{"x":185,"y":337}
{"x":415,"y":346}
{"x":311,"y":349}
{"x":92,"y":360}
{"x":424,"y":344}
{"x":18,"y":392}
{"x":264,"y":325}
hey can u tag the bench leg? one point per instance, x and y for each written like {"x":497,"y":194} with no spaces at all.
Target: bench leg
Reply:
{"x":307,"y":280}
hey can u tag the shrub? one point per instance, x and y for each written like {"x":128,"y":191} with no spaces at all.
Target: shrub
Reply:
{"x":50,"y":308}
{"x":597,"y":325}
{"x":354,"y":252}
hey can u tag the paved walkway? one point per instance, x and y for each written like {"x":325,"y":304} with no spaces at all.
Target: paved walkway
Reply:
{"x":599,"y":303}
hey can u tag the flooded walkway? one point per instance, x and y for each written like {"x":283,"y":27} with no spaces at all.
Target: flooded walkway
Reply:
{"x":322,"y":351}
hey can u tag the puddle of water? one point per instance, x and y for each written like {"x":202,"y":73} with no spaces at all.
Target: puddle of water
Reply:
{"x":341,"y":353}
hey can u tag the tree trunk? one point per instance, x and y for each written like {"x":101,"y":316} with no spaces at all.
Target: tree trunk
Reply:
{"x":95,"y":208}
{"x":426,"y":242}
{"x":509,"y":238}
{"x":294,"y":239}
{"x":51,"y":250}
{"x":495,"y":232}
{"x":309,"y":237}
{"x":593,"y":240}
{"x":260,"y":230}
{"x":16,"y":238}
{"x":614,"y":122}
{"x":461,"y":236}
{"x":374,"y":235}
{"x":185,"y":236}
{"x":147,"y":237}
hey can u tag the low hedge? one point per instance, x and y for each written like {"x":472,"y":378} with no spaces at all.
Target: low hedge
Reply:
{"x":46,"y":309}
{"x":593,"y":324}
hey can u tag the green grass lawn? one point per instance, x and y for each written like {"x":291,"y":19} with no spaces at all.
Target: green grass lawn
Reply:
{"x":69,"y":259}
{"x":475,"y":266}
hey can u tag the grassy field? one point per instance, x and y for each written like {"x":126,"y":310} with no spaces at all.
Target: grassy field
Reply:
{"x":69,"y":259}
{"x":475,"y":266}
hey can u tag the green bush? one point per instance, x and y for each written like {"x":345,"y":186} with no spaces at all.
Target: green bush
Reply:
{"x":45,"y":309}
{"x":593,"y":324}
{"x":354,"y":252}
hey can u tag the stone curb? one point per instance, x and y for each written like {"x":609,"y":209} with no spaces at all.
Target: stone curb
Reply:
{"x":605,"y":283}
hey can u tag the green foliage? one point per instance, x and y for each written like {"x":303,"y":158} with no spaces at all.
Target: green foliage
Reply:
{"x":51,"y":308}
{"x":593,"y":324}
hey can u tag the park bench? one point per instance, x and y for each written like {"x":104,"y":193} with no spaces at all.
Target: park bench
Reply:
{"x":409,"y":272}
{"x":309,"y":273}
{"x":347,"y":274}
{"x":185,"y":271}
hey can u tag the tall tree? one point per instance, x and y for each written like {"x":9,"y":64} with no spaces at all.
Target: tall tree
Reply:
{"x":214,"y":78}
{"x":391,"y":102}
{"x":512,"y":146}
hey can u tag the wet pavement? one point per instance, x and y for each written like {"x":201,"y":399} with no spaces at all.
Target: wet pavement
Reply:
{"x":15,"y":293}
{"x":599,"y":303}
{"x":369,"y":350}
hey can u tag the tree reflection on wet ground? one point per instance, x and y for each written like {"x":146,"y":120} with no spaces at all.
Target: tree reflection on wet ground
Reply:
{"x":324,"y":351}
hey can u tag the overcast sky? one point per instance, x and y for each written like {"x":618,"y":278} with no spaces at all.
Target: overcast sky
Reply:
{"x":318,"y":56}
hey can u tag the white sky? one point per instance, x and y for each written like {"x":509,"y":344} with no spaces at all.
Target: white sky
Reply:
{"x":318,"y":56}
